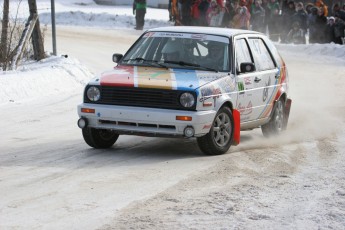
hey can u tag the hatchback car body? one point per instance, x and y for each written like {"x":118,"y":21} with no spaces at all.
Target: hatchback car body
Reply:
{"x":190,"y":82}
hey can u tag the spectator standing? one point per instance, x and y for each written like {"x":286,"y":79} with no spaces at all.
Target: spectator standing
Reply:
{"x":308,"y":8}
{"x":273,"y":20}
{"x":323,"y":6}
{"x":186,"y":6}
{"x":174,"y":12}
{"x":203,"y":6}
{"x":288,"y":10}
{"x":216,"y":16}
{"x":337,"y":12}
{"x":317,"y":26}
{"x":301,"y":17}
{"x":296,"y":34}
{"x":322,"y":24}
{"x":169,"y":10}
{"x":195,"y":13}
{"x":312,"y":26}
{"x":139,"y":10}
{"x":212,"y":10}
{"x":228,"y":13}
{"x":339,"y":28}
{"x":330,"y":30}
{"x":267,"y":14}
{"x":241,"y":19}
{"x":258,"y":17}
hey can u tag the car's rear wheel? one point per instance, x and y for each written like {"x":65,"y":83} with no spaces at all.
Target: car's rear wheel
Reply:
{"x":99,"y":138}
{"x":276,"y":124}
{"x":219,"y":138}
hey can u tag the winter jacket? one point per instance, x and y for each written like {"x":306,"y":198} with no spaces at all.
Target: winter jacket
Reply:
{"x":257,"y":16}
{"x":340,"y":14}
{"x":301,"y":17}
{"x":139,"y":5}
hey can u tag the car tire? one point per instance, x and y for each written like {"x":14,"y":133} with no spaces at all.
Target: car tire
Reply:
{"x":276,"y":124}
{"x":99,"y":138}
{"x":219,"y":139}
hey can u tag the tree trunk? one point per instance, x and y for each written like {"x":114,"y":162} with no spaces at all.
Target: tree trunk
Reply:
{"x":4,"y":31}
{"x":37,"y":39}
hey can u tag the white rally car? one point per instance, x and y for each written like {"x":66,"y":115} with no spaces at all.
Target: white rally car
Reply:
{"x":189,"y":82}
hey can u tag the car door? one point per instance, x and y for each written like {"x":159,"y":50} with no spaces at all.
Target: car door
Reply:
{"x":245,"y":81}
{"x":265,"y":77}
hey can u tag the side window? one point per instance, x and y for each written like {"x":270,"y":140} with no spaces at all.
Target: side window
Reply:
{"x":242,"y":52}
{"x":262,"y":57}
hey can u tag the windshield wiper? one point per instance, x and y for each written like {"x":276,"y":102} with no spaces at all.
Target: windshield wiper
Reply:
{"x":182,"y":63}
{"x":134,"y":59}
{"x":148,"y":62}
{"x":162,"y":64}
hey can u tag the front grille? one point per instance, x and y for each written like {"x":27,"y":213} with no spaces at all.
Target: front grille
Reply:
{"x":140,"y":97}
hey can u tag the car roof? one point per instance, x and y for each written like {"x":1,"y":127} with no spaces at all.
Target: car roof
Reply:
{"x":227,"y":32}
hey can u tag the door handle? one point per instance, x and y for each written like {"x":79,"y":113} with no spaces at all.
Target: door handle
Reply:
{"x":256,"y":79}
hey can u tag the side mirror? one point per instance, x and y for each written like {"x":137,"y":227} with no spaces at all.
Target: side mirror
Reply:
{"x":117,"y":57}
{"x":247,"y":67}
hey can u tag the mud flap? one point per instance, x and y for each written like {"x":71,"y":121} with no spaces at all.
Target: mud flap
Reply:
{"x":237,"y":127}
{"x":287,"y":112}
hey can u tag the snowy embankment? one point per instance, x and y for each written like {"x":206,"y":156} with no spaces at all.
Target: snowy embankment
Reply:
{"x":332,"y":51}
{"x":53,"y":75}
{"x":105,"y":20}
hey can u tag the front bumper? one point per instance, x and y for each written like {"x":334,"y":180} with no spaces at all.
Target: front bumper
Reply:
{"x":145,"y":121}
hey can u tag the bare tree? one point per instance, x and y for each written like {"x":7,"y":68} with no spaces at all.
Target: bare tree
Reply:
{"x":36,"y":37}
{"x":4,"y":31}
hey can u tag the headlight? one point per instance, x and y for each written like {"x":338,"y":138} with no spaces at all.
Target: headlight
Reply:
{"x":93,"y":93}
{"x":187,"y":100}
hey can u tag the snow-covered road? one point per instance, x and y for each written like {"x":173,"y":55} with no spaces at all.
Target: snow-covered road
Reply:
{"x":50,"y":179}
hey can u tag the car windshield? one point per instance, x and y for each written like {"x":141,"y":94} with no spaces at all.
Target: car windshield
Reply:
{"x":180,"y":50}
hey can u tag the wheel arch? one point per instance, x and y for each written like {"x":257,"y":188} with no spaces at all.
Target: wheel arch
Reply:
{"x":282,"y":96}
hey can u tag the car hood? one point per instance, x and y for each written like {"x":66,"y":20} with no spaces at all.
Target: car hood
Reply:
{"x":159,"y":78}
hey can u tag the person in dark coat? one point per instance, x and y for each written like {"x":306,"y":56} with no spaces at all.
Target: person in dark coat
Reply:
{"x":317,"y":26}
{"x":330,"y":30}
{"x":296,"y":34}
{"x":288,"y":10}
{"x":273,"y":19}
{"x":228,"y":14}
{"x":301,"y":17}
{"x":139,"y":10}
{"x":186,"y":6}
{"x":339,"y":31}
{"x":203,"y":6}
{"x":258,"y":17}
{"x":337,"y":12}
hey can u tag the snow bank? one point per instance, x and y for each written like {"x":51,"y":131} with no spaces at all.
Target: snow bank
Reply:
{"x":320,"y":51}
{"x":54,"y":75}
{"x":104,"y":20}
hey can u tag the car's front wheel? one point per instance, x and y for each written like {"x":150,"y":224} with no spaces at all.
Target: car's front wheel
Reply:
{"x":219,"y":138}
{"x":99,"y":138}
{"x":276,"y":124}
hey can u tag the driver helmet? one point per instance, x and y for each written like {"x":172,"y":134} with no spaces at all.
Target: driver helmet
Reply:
{"x":215,"y":49}
{"x":172,"y":51}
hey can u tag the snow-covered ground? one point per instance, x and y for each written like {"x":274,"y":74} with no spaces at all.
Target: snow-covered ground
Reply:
{"x":50,"y":179}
